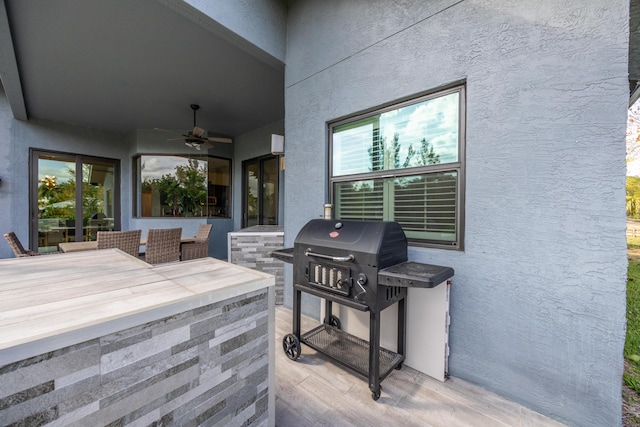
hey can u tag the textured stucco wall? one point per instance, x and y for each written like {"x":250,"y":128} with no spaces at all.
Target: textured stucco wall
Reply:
{"x":538,"y":298}
{"x":261,"y":22}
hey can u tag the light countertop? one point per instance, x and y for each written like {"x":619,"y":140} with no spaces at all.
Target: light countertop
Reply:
{"x":260,"y":229}
{"x":53,"y":301}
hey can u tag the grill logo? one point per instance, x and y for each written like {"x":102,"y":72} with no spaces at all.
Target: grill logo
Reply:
{"x":334,"y":234}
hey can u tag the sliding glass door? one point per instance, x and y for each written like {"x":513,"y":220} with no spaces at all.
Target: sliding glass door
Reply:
{"x":63,"y":210}
{"x":260,"y":191}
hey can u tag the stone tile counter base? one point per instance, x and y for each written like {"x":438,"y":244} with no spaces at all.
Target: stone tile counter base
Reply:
{"x":251,"y":247}
{"x":206,"y":365}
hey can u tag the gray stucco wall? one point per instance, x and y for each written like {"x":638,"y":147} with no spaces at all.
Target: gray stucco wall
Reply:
{"x":538,"y":298}
{"x":261,"y":22}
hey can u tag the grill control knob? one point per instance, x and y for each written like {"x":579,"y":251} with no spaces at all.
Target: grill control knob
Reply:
{"x":362,"y":279}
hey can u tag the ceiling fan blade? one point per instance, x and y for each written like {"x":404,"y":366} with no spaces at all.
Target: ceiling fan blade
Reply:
{"x":199,"y":132}
{"x":220,"y":139}
{"x":176,"y":139}
{"x":207,"y":145}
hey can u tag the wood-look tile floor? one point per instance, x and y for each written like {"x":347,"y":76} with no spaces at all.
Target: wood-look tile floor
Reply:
{"x":315,"y":391}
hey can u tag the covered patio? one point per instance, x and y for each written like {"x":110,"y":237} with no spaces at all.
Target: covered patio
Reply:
{"x":534,"y":217}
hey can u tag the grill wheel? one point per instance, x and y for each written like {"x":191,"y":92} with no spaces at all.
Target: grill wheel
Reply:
{"x":291,"y":346}
{"x":334,"y":321}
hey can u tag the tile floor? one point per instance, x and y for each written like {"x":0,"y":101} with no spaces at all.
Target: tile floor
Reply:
{"x":314,"y":391}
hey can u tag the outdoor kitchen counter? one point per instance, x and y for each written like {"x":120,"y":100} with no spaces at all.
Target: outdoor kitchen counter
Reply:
{"x":252,"y":247}
{"x":98,"y":337}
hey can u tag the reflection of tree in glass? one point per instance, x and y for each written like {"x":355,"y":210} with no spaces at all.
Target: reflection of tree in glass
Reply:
{"x":193,"y":181}
{"x":252,"y":199}
{"x":426,"y":155}
{"x":185,"y":191}
{"x":58,"y":201}
{"x":169,"y":187}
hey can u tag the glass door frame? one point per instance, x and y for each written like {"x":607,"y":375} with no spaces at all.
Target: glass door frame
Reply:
{"x":245,"y":207}
{"x":80,"y":159}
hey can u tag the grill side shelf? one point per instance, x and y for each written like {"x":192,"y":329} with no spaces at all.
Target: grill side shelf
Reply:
{"x":414,"y":275}
{"x":285,"y":255}
{"x":349,"y":350}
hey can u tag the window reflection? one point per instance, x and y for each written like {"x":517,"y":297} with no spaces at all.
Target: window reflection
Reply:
{"x":183,"y":186}
{"x":76,"y":198}
{"x":411,"y":136}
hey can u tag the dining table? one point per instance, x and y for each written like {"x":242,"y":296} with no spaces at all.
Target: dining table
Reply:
{"x":93,"y":244}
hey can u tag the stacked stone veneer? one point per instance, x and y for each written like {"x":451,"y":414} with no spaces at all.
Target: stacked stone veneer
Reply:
{"x":204,"y":366}
{"x":254,"y":251}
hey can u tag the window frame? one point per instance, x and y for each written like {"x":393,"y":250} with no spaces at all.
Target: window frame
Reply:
{"x":260,"y":161}
{"x":136,"y":183}
{"x":458,"y":166}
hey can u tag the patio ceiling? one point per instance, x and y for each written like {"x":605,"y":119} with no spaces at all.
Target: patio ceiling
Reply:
{"x":121,"y":65}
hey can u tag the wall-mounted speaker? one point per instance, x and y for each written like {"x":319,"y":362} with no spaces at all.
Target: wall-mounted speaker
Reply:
{"x":277,"y":144}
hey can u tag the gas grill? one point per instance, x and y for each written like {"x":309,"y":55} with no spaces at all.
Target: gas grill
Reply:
{"x":362,"y":265}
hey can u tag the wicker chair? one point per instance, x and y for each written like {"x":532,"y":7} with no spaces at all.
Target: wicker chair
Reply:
{"x":127,"y":241}
{"x":163,"y":245}
{"x":17,"y":247}
{"x":199,"y":248}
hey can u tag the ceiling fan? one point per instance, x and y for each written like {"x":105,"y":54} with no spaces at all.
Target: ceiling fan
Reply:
{"x":196,"y":138}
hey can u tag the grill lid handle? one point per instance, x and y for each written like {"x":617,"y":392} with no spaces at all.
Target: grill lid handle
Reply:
{"x":347,"y":258}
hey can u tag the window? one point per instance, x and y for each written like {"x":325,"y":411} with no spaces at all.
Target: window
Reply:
{"x":404,"y":163}
{"x":182,"y":186}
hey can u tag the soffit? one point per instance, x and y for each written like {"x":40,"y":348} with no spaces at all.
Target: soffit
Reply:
{"x":121,"y":65}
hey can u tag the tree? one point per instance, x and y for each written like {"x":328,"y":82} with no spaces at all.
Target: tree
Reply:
{"x":633,"y":197}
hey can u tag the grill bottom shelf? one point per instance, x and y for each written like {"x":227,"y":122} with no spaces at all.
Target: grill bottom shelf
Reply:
{"x":350,"y":350}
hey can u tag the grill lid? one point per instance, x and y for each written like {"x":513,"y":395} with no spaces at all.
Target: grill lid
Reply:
{"x":374,"y":243}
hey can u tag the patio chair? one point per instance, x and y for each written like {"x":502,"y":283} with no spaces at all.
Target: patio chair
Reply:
{"x":199,"y":248}
{"x":17,"y":247}
{"x":163,"y":245}
{"x":127,"y":241}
